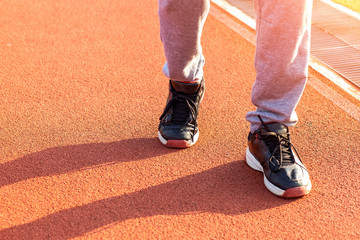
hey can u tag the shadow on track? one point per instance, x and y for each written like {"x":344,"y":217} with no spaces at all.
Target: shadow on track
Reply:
{"x":230,"y":189}
{"x":65,"y":159}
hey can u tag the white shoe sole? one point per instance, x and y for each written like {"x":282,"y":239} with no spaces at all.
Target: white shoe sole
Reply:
{"x":178,"y":143}
{"x":289,"y":193}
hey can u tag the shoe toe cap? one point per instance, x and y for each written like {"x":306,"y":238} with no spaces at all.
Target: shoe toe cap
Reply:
{"x":176,"y":133}
{"x":291,"y":177}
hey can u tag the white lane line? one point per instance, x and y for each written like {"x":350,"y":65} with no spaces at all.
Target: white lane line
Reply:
{"x":236,"y":12}
{"x":335,"y":78}
{"x":233,"y":25}
{"x":350,"y":108}
{"x":342,"y":8}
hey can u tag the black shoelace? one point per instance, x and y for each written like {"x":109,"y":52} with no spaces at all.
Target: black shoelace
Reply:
{"x":182,"y":105}
{"x":280,"y":147}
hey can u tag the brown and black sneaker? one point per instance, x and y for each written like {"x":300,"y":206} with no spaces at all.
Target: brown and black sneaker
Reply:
{"x":178,"y":126}
{"x":271,"y":152}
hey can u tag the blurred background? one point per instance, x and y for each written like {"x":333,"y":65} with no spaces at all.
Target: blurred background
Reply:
{"x":352,"y":4}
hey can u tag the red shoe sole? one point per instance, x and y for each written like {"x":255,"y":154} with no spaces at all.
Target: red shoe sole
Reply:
{"x":295,"y":192}
{"x":178,"y":144}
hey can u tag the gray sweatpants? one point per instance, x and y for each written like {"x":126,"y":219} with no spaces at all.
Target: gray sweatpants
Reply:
{"x":281,"y":59}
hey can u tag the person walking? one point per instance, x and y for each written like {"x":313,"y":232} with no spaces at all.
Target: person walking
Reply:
{"x":281,"y":64}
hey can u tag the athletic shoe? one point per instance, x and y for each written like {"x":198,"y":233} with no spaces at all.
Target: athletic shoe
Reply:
{"x":178,"y":124}
{"x":271,"y":152}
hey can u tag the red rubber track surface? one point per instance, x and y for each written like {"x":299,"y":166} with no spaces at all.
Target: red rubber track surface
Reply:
{"x":81,"y":91}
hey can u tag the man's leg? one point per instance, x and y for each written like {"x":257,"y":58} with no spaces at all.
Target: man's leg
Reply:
{"x":281,"y":62}
{"x":181,"y":24}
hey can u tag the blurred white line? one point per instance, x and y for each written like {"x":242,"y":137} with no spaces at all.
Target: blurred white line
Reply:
{"x":350,"y":108}
{"x":334,"y":77}
{"x":234,"y":11}
{"x":342,"y":9}
{"x":235,"y":26}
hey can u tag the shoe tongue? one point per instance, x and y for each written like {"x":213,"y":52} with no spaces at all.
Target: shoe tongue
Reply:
{"x":281,"y":129}
{"x":186,"y":88}
{"x":277,"y":127}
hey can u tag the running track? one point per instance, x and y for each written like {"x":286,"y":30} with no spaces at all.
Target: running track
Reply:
{"x":80,"y":95}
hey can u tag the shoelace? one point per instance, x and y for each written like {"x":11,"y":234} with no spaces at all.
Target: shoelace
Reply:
{"x":280,"y":147}
{"x":181,"y":105}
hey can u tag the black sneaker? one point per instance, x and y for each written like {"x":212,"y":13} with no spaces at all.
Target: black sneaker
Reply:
{"x":178,"y":123}
{"x":271,"y":152}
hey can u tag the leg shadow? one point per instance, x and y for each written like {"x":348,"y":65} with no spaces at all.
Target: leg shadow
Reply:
{"x":230,"y":189}
{"x":64,"y":159}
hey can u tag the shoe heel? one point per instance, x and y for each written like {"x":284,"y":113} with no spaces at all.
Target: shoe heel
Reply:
{"x":252,"y":162}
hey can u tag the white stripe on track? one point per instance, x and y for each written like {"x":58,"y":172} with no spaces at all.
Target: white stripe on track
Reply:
{"x":233,"y":25}
{"x":342,"y":8}
{"x":234,"y":11}
{"x":350,"y":108}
